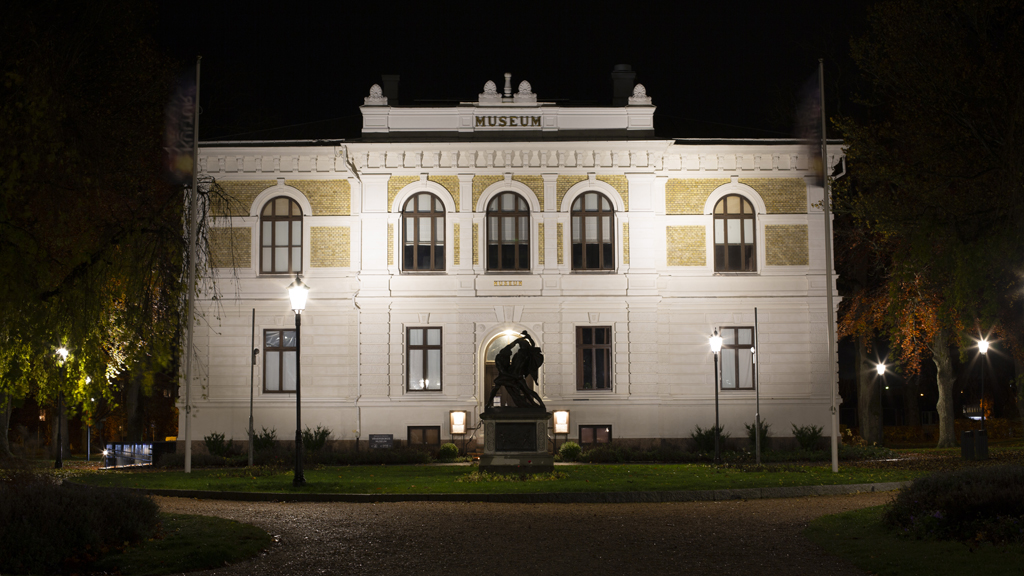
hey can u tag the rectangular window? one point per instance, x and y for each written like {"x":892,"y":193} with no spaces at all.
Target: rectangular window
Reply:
{"x":423,"y":355}
{"x":592,"y":434}
{"x":738,"y":358}
{"x":593,"y":358}
{"x":424,"y":436}
{"x":279,"y":358}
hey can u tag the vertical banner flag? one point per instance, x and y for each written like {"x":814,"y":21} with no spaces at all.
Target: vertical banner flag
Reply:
{"x":179,"y":130}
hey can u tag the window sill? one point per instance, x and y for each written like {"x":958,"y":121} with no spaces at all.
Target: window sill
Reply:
{"x":754,"y":273}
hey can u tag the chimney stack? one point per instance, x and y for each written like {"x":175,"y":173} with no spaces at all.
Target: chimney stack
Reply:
{"x":390,"y":88}
{"x":623,"y":79}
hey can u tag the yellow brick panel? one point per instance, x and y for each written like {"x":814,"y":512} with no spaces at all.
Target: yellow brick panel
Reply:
{"x":458,"y":245}
{"x":688,"y":195}
{"x":536,"y":183}
{"x":686,"y":246}
{"x":786,"y":244}
{"x":780,"y":195}
{"x":451,"y":184}
{"x":391,"y":244}
{"x":326,"y":197}
{"x":562,"y":185}
{"x":540,"y":243}
{"x":476,"y":244}
{"x":480,"y":183}
{"x":395,"y":185}
{"x":329,"y":247}
{"x":231,"y":247}
{"x":621,"y":185}
{"x":560,"y":244}
{"x":235,"y":196}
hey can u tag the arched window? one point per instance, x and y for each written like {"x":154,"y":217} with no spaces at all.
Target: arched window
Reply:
{"x":423,"y":223}
{"x":281,"y":237}
{"x":734,"y":235}
{"x":593,"y":238}
{"x":508,"y":233}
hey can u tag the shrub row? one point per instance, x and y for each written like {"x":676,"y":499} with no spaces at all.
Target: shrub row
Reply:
{"x":46,"y":527}
{"x":279,"y":457}
{"x":974,"y":504}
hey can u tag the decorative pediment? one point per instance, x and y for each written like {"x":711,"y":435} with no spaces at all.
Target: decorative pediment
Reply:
{"x":639,"y":97}
{"x":490,"y":94}
{"x":376,"y":97}
{"x":525,"y":95}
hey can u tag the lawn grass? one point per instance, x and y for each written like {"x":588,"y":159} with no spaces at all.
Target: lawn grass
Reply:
{"x":443,"y":479}
{"x":187,"y":543}
{"x":860,"y":537}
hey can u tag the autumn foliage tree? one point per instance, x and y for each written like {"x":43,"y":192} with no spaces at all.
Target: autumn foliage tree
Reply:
{"x":935,"y":176}
{"x":91,"y":232}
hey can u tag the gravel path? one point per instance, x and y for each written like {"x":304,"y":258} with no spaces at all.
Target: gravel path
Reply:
{"x":446,"y":538}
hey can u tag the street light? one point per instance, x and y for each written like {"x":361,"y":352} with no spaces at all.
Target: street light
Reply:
{"x":297,"y":293}
{"x":715,"y":341}
{"x":62,"y":352}
{"x":983,"y":348}
{"x":880,"y":370}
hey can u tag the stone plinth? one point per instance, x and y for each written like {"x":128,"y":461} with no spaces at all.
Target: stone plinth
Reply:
{"x":516,"y":441}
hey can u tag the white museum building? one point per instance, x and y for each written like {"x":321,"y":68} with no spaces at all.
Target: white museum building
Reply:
{"x":444,"y":230}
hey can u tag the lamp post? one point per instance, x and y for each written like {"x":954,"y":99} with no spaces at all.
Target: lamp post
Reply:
{"x":63,"y":354}
{"x":297,"y":293}
{"x":716,"y":346}
{"x":880,"y":370}
{"x":983,"y":348}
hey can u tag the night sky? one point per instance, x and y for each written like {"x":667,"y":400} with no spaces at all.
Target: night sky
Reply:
{"x":729,"y":69}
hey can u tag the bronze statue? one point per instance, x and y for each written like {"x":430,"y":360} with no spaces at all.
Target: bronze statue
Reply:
{"x":513,"y":370}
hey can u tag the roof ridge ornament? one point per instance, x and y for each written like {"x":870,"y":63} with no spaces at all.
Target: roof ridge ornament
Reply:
{"x":376,"y":97}
{"x":640,"y":97}
{"x":490,"y":94}
{"x":525,"y":94}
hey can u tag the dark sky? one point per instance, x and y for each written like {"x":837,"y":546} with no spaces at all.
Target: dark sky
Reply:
{"x":726,"y":69}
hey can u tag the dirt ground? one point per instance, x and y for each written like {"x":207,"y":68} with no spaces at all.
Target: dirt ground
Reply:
{"x":721,"y":538}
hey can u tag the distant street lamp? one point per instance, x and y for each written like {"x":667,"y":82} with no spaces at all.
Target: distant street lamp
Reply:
{"x":297,"y":292}
{"x":880,"y":370}
{"x":63,"y":354}
{"x":715,"y":341}
{"x":983,"y":348}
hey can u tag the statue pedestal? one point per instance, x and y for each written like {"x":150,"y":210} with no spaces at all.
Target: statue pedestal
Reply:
{"x":516,"y":441}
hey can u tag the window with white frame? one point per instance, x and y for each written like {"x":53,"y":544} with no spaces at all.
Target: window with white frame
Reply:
{"x":508,"y":233}
{"x":281,"y":237}
{"x":593,"y":227}
{"x":738,"y":358}
{"x":423,"y":237}
{"x":734,"y":235}
{"x":423,"y":354}
{"x":279,"y":360}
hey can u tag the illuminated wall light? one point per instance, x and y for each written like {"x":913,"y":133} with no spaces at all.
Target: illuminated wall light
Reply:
{"x":458,"y":421}
{"x":561,"y":421}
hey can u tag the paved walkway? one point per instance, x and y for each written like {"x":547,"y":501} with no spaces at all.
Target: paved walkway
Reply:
{"x":718,"y":538}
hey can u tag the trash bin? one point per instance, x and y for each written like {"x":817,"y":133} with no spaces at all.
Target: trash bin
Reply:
{"x":981,"y":444}
{"x":967,"y":445}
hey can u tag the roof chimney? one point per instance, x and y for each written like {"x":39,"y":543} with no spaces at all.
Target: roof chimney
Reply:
{"x":623,"y":79}
{"x":390,"y":87}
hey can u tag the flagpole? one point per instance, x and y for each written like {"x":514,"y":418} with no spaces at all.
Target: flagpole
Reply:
{"x":830,"y":310}
{"x":193,"y":210}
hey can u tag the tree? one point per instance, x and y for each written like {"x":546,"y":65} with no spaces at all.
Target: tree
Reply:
{"x":935,"y":166}
{"x":90,"y":230}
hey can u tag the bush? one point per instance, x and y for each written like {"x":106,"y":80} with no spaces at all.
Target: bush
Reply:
{"x":448,"y":452}
{"x":809,"y":437}
{"x":265,"y":440}
{"x":570,"y":452}
{"x":704,"y":438}
{"x":765,"y":434}
{"x":314,"y":440}
{"x":47,"y":527}
{"x":216,"y":445}
{"x":978,"y":504}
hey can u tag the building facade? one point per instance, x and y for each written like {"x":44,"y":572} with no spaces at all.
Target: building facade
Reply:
{"x":443,"y":230}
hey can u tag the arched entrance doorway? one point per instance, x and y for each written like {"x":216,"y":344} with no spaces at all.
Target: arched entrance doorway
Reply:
{"x":490,"y":372}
